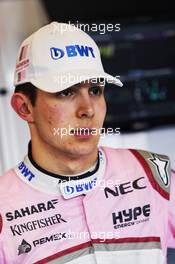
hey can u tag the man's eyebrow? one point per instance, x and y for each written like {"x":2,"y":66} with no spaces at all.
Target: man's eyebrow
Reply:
{"x":77,"y":86}
{"x":71,"y":87}
{"x":98,"y":82}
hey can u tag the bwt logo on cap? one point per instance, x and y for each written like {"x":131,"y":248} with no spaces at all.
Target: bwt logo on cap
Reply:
{"x":72,"y":51}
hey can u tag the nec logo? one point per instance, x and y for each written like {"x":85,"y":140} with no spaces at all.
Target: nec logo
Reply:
{"x":72,"y":51}
{"x":125,"y":188}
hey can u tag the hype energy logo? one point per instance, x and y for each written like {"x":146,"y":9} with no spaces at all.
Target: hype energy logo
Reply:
{"x":72,"y":51}
{"x":74,"y":188}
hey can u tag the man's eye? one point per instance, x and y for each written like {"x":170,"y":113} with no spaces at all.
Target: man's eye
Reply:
{"x":65,"y":93}
{"x":96,"y":90}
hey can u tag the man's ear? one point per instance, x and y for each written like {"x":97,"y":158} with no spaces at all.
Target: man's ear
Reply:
{"x":22,"y":106}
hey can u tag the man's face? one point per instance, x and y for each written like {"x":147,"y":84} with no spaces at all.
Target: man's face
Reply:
{"x":69,"y":121}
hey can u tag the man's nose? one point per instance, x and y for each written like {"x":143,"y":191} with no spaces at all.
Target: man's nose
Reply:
{"x":85,"y":107}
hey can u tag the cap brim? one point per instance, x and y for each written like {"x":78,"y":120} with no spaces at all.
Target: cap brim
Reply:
{"x":59,"y":82}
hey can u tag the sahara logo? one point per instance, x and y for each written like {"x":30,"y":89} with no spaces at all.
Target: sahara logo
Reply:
{"x":32,"y":209}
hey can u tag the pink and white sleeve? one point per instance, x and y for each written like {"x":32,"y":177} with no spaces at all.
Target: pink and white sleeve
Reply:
{"x":171,"y":220}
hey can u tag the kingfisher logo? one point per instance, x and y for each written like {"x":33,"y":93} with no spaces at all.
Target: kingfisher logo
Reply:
{"x":72,"y":51}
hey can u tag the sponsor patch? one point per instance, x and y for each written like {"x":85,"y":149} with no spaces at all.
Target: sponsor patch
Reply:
{"x":71,"y":51}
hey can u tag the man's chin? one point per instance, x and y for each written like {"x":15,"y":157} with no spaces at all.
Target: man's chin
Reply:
{"x":85,"y":148}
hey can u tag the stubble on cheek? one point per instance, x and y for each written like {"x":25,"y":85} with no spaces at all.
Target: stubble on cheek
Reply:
{"x":57,"y":120}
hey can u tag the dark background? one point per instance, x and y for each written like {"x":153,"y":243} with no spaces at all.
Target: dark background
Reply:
{"x":100,"y":10}
{"x":142,"y":54}
{"x":147,"y":67}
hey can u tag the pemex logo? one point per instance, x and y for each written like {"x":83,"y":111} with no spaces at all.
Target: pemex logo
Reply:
{"x":25,"y":247}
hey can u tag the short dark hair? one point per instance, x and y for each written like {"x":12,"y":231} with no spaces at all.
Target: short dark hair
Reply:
{"x":29,"y":90}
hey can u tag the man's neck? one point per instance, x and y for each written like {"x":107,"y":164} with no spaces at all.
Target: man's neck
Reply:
{"x":55,"y":162}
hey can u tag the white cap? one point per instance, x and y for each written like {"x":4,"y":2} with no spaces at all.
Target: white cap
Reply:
{"x":58,"y":56}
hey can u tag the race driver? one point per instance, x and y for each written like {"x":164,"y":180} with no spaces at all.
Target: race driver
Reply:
{"x":69,"y":201}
